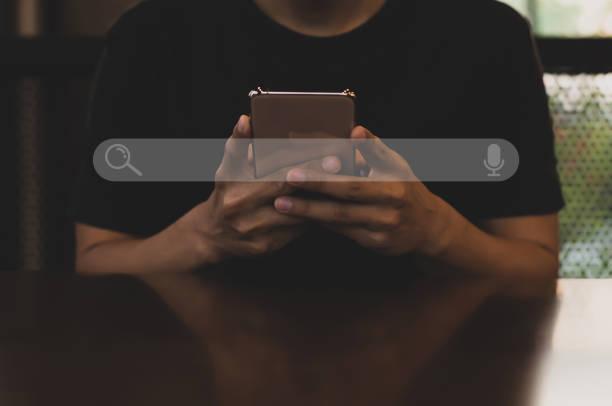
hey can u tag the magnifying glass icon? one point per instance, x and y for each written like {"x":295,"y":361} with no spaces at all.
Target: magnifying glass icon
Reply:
{"x":118,"y":157}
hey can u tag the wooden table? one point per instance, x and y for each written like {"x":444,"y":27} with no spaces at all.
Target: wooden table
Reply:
{"x":187,"y":339}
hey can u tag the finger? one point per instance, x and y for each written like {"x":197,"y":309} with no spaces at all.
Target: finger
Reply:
{"x":273,"y":240}
{"x":264,"y":219}
{"x":237,"y":146}
{"x":264,"y":190}
{"x":362,"y":236}
{"x":250,"y":155}
{"x":363,"y":169}
{"x":241,"y":196}
{"x":369,"y":216}
{"x":330,"y":164}
{"x":348,"y":187}
{"x":376,"y":153}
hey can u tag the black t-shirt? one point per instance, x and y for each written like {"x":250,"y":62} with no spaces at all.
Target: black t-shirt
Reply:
{"x":444,"y":69}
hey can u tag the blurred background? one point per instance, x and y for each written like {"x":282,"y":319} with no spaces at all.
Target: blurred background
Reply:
{"x":50,"y":48}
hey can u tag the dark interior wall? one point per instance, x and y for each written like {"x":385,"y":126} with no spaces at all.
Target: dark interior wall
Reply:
{"x":51,"y":107}
{"x":89,"y":17}
{"x":65,"y":107}
{"x":8,"y":162}
{"x":6,"y":20}
{"x":9,"y":202}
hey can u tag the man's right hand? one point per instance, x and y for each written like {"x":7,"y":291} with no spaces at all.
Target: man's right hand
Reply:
{"x":239,"y":218}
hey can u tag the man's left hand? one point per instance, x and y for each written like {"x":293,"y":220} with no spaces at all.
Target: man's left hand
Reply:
{"x":389,"y":211}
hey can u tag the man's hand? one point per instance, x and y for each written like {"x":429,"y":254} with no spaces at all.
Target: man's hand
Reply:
{"x":380,"y":212}
{"x":239,"y":220}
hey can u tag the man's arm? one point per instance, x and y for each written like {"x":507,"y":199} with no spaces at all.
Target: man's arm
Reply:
{"x":399,"y":217}
{"x":100,"y":251}
{"x":515,"y":247}
{"x":238,"y":220}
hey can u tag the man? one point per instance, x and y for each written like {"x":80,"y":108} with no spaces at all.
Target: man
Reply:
{"x":449,"y":70}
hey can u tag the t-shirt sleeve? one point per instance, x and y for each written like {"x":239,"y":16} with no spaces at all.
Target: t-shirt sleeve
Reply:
{"x":521,"y":114}
{"x":130,"y":98}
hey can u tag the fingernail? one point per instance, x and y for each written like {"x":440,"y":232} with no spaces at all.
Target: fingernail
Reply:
{"x":296,"y":176}
{"x":331,"y":164}
{"x":242,"y":127}
{"x":283,"y":204}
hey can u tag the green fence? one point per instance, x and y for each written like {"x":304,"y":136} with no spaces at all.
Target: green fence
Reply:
{"x":581,"y":107}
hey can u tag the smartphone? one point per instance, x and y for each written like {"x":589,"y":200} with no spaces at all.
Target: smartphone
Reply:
{"x":290,"y":128}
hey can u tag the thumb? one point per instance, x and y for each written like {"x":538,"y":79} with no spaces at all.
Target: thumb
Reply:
{"x":375,"y":152}
{"x":236,"y":155}
{"x":237,"y":146}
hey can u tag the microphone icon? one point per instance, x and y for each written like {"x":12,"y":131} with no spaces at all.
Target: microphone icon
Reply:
{"x":494,"y":161}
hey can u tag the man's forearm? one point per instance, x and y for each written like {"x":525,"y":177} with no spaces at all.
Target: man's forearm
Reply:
{"x":477,"y":251}
{"x":175,"y":249}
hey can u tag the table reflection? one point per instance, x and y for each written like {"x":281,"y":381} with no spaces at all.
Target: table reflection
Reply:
{"x":443,"y":338}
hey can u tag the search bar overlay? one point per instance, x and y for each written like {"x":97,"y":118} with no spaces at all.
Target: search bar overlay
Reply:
{"x":198,"y":160}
